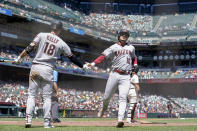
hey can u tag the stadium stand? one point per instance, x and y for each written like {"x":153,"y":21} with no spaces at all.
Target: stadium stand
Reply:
{"x":144,"y":29}
{"x":102,"y":23}
{"x":177,"y":22}
{"x":91,"y":100}
{"x":143,"y":74}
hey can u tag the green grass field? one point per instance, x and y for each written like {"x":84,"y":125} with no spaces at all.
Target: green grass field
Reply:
{"x":92,"y":128}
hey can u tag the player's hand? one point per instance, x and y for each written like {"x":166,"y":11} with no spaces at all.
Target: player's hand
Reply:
{"x":136,"y":68}
{"x":91,"y":65}
{"x":57,"y":94}
{"x":18,"y":60}
{"x":139,"y":95}
{"x":86,"y":66}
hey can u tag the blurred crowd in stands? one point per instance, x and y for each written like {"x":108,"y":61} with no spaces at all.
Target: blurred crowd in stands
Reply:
{"x":155,"y":103}
{"x":90,"y":100}
{"x":72,"y":68}
{"x":67,"y":66}
{"x":180,"y":73}
{"x":116,"y":22}
{"x":100,"y":23}
{"x":47,"y":12}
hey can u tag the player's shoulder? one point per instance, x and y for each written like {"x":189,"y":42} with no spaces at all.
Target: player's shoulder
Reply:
{"x":135,"y":76}
{"x":130,"y":44}
{"x":115,"y":45}
{"x":42,"y":33}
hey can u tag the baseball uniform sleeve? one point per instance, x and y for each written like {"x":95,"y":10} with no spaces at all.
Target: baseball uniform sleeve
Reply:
{"x":37,"y":39}
{"x":134,"y":57}
{"x":66,"y":49}
{"x":99,"y":59}
{"x":108,"y":52}
{"x":133,"y":53}
{"x":134,"y":61}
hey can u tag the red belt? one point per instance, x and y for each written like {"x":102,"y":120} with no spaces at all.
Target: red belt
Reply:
{"x":121,"y":72}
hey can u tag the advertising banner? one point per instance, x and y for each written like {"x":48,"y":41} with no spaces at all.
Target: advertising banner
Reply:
{"x":5,"y":11}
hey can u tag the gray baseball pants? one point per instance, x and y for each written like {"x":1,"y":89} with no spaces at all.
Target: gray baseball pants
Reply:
{"x":41,"y":76}
{"x":122,"y":81}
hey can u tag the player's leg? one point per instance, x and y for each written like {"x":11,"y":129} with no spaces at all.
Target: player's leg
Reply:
{"x":54,"y":111}
{"x":138,"y":113}
{"x":47,"y":91}
{"x":109,"y":90}
{"x":33,"y":85}
{"x":124,"y":85}
{"x":46,"y":76}
{"x":132,"y":105}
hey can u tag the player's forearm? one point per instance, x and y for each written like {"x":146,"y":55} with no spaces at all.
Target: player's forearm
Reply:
{"x":134,"y":61}
{"x":27,"y":50}
{"x":19,"y":58}
{"x":55,"y":86}
{"x":137,"y":87}
{"x":99,"y":59}
{"x":23,"y":54}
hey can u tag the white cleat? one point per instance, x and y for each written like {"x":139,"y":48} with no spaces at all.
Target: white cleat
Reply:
{"x":49,"y":126}
{"x":128,"y":120}
{"x":27,"y":125}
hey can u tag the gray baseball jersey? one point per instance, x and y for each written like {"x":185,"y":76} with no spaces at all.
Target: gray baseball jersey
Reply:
{"x":121,"y":60}
{"x":121,"y":55}
{"x":49,"y":49}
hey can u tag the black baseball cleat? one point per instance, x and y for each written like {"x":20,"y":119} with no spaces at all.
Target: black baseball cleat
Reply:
{"x":133,"y":121}
{"x":120,"y":124}
{"x":56,"y":121}
{"x":27,"y":125}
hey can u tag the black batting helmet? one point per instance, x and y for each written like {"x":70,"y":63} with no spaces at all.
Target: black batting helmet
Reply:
{"x":57,"y":25}
{"x":123,"y":32}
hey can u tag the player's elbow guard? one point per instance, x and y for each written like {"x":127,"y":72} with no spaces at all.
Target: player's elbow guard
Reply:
{"x":29,"y":49}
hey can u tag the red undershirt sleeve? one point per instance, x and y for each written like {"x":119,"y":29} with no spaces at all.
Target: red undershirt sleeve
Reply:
{"x":99,"y":59}
{"x":134,"y":61}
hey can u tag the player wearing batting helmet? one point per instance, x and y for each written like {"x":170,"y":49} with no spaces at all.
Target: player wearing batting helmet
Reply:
{"x":123,"y":59}
{"x":125,"y":34}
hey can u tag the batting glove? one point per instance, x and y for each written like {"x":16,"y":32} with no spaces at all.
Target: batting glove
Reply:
{"x":18,"y":60}
{"x":92,"y":64}
{"x":86,"y":67}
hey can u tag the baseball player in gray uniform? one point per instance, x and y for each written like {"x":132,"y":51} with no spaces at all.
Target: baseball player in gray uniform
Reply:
{"x":123,"y":55}
{"x":133,"y":95}
{"x":48,"y":48}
